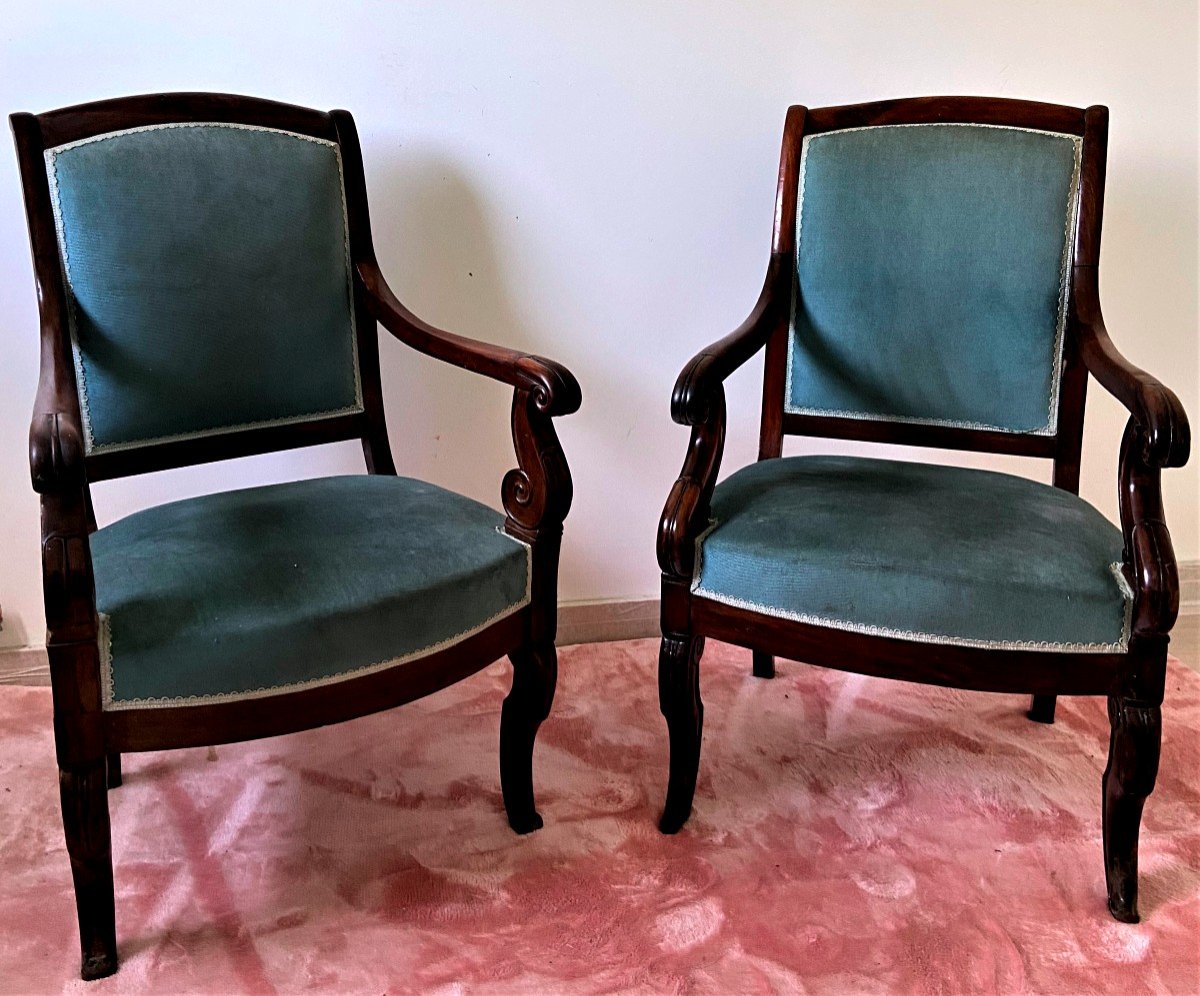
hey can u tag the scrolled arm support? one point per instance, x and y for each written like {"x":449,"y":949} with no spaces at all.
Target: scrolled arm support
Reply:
{"x":686,"y":513}
{"x":1149,"y":555}
{"x":56,"y":450}
{"x":701,"y":380}
{"x":537,"y":493}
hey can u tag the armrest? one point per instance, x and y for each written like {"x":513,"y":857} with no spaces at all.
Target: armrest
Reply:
{"x":551,"y":385}
{"x":1160,"y":418}
{"x":704,"y":374}
{"x":56,"y":452}
{"x":537,"y":494}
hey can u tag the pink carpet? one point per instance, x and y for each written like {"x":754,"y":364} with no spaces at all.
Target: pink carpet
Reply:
{"x":850,"y":835}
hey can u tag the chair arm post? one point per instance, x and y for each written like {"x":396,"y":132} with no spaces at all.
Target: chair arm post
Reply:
{"x":686,"y":513}
{"x":56,"y":450}
{"x":1149,"y":556}
{"x":537,"y":495}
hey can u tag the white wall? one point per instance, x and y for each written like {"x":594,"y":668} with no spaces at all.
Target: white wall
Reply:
{"x":594,"y":181}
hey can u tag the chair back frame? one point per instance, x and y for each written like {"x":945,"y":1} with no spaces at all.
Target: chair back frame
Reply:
{"x":35,"y":134}
{"x":1063,"y":447}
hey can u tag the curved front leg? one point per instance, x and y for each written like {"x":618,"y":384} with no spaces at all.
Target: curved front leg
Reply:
{"x":1129,"y":778}
{"x":684,"y":518}
{"x":679,"y":700}
{"x":535,"y":674}
{"x":82,"y":792}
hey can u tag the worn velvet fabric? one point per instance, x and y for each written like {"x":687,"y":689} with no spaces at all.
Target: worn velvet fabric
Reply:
{"x":922,"y":551}
{"x":294,"y":584}
{"x":930,"y":274}
{"x":207,"y":273}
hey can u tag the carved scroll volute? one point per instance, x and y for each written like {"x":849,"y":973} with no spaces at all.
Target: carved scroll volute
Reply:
{"x":686,"y":513}
{"x":537,"y":492}
{"x":1149,"y":555}
{"x":55,"y":453}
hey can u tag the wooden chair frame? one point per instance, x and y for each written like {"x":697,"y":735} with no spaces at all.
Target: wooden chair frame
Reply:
{"x":536,"y":497}
{"x":1157,"y":436}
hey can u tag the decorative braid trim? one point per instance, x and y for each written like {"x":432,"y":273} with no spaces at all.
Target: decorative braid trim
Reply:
{"x":1120,"y":646}
{"x":111,"y":704}
{"x":90,"y":446}
{"x":1051,"y":426}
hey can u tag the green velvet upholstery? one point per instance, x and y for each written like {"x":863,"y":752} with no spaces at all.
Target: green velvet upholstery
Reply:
{"x":208,"y":280}
{"x":921,"y":551}
{"x":931,"y":264}
{"x":237,"y":594}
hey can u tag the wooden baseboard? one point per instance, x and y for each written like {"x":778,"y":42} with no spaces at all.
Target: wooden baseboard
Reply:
{"x":24,"y":666}
{"x":632,"y":619}
{"x":1189,"y":586}
{"x":1185,"y":637}
{"x":608,"y":619}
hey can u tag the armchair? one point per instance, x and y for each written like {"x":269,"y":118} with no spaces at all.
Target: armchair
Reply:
{"x":208,"y":289}
{"x":932,"y":282}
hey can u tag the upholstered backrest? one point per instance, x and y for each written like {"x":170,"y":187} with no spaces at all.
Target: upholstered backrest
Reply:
{"x":207,"y":274}
{"x":932,"y":268}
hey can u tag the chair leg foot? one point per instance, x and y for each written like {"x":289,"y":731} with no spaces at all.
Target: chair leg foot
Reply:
{"x":114,"y":770}
{"x":535,"y":674}
{"x":98,"y":967}
{"x":764,"y":665}
{"x":83,"y":792}
{"x":1128,"y":780}
{"x":1041,"y":708}
{"x":679,"y":700}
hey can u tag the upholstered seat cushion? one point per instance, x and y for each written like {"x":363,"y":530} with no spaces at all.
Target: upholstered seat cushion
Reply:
{"x":245,"y":593}
{"x":919,"y":551}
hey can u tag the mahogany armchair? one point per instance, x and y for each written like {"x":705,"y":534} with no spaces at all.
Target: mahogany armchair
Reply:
{"x":932,"y":282}
{"x":208,"y":289}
